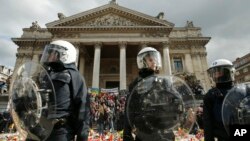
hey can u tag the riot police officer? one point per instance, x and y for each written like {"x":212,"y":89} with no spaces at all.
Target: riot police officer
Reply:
{"x":222,"y":73}
{"x":149,"y":64}
{"x":72,"y":104}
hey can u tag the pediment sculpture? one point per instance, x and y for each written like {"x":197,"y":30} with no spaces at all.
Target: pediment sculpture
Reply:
{"x":61,"y":16}
{"x":110,"y":20}
{"x":35,"y":26}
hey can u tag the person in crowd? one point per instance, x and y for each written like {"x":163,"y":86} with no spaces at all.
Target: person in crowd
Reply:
{"x":5,"y":121}
{"x":1,"y":123}
{"x":101,"y":118}
{"x":72,"y":102}
{"x":222,"y":73}
{"x":118,"y":126}
{"x":111,"y":116}
{"x":199,"y":116}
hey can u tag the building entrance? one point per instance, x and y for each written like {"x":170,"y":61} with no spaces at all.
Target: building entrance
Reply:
{"x":112,"y":84}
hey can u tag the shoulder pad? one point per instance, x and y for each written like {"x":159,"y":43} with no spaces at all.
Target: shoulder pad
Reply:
{"x":63,"y":76}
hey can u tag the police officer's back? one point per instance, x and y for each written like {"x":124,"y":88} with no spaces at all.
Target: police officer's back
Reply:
{"x":72,"y":104}
{"x":222,"y":73}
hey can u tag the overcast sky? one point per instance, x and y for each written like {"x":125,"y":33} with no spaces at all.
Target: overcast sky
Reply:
{"x":226,"y":21}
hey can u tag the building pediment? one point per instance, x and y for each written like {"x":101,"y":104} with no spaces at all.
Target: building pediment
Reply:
{"x":111,"y":20}
{"x":109,"y":15}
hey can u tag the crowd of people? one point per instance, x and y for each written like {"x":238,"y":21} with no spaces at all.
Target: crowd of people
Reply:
{"x":107,"y":111}
{"x":6,"y":123}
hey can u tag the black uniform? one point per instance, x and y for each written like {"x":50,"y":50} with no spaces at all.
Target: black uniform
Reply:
{"x":212,"y":118}
{"x":127,"y":135}
{"x":72,"y":105}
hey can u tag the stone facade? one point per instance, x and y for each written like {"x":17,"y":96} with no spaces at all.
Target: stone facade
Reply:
{"x":242,"y":66}
{"x":5,"y":73}
{"x":108,"y":39}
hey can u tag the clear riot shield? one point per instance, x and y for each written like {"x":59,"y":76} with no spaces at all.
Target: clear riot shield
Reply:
{"x":236,"y":106}
{"x":158,"y":106}
{"x":32,"y":101}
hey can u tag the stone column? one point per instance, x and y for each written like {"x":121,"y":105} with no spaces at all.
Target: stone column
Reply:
{"x":199,"y":62}
{"x":35,"y":58}
{"x":76,"y":45}
{"x":19,"y":60}
{"x":166,"y":59}
{"x":96,"y":68}
{"x":28,"y":57}
{"x":205,"y":67}
{"x":82,"y":63}
{"x":123,"y":83}
{"x":188,"y":63}
{"x":203,"y":60}
{"x":201,"y":72}
{"x":23,"y":59}
{"x":196,"y":62}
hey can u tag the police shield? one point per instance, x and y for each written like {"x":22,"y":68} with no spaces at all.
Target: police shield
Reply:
{"x":159,"y":106}
{"x":236,"y":107}
{"x":32,"y":101}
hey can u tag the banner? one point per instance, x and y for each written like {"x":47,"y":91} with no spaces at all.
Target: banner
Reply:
{"x":110,"y":91}
{"x":94,"y":91}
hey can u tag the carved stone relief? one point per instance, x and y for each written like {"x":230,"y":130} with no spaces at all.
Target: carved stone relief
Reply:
{"x":66,"y":35}
{"x":202,"y":54}
{"x":110,"y":20}
{"x":156,"y":34}
{"x":25,"y":55}
{"x":180,"y":47}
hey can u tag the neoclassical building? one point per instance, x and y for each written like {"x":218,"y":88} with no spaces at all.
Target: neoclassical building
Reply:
{"x":108,"y":39}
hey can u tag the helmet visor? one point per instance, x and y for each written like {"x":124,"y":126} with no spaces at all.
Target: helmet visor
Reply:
{"x":221,"y":74}
{"x":53,"y":53}
{"x":151,"y":60}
